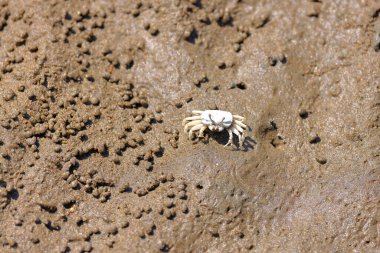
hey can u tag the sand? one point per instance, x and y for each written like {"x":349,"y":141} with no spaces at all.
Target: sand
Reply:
{"x":93,"y":153}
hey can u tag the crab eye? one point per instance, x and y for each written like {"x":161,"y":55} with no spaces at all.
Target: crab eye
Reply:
{"x":227,"y":123}
{"x":207,"y":121}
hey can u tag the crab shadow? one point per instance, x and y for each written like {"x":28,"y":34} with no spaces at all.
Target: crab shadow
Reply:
{"x":222,"y":139}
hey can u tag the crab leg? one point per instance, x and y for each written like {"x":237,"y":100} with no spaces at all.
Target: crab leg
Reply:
{"x":194,"y":128}
{"x":197,"y":112}
{"x":230,"y":137}
{"x":190,"y":119}
{"x":237,"y":127}
{"x":238,"y":117}
{"x":201,"y":131}
{"x":244,"y":126}
{"x":235,"y":131}
{"x":192,"y":123}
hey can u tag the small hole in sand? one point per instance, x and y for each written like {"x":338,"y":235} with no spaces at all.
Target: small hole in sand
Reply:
{"x":315,"y":140}
{"x":304,"y":114}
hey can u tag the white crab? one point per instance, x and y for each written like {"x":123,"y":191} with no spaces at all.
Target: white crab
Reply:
{"x":216,"y":121}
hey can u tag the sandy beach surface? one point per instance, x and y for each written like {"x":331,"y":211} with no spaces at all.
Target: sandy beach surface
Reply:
{"x":93,"y":156}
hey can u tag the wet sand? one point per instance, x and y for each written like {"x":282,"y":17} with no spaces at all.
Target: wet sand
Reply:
{"x":93,"y":153}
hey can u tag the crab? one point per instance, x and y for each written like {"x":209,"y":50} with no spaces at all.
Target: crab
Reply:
{"x":216,"y":121}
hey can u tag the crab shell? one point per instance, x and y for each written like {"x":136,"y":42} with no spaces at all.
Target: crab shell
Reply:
{"x":216,"y":120}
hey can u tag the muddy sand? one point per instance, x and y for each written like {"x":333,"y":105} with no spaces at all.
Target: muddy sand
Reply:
{"x":93,"y":153}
